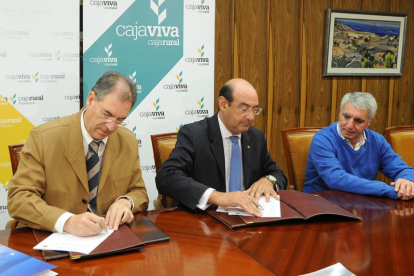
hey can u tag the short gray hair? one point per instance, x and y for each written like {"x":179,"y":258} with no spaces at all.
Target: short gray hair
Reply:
{"x":106,"y":83}
{"x":362,"y":101}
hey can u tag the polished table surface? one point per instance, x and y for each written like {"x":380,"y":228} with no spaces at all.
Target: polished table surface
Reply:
{"x":381,"y":244}
{"x":193,"y":249}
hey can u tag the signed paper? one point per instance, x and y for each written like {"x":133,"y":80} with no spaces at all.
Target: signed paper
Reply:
{"x":271,"y":209}
{"x":71,"y":243}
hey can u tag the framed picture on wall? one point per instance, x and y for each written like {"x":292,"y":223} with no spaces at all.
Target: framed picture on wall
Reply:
{"x":364,"y":43}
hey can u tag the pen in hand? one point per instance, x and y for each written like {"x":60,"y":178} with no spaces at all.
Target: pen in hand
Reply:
{"x":258,"y":207}
{"x":91,"y":210}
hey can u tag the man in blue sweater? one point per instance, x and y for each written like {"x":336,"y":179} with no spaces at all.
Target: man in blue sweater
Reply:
{"x":347,"y":156}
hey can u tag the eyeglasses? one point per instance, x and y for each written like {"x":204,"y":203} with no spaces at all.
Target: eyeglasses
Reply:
{"x":110,"y":119}
{"x":244,"y":110}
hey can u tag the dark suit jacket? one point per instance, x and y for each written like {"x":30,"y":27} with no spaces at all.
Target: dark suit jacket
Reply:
{"x":197,"y":162}
{"x":52,"y":179}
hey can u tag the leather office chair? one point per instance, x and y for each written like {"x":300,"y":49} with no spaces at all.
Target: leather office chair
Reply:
{"x":296,"y":142}
{"x":162,"y":146}
{"x":14,"y":151}
{"x":401,"y":139}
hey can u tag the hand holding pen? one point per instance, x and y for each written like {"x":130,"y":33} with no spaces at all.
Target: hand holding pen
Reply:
{"x":91,"y":210}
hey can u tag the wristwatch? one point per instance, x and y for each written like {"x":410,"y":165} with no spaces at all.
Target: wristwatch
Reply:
{"x":272,"y":179}
{"x":129,"y":199}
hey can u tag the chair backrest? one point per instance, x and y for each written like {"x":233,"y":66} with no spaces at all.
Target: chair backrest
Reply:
{"x":14,"y":151}
{"x":401,"y":139}
{"x":296,"y":142}
{"x":162,"y":146}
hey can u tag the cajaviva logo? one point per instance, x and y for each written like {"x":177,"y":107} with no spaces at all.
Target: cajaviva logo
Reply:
{"x":43,"y":56}
{"x":198,"y":112}
{"x":13,"y":99}
{"x":156,"y":9}
{"x":155,"y":35}
{"x":200,"y":8}
{"x":201,"y":51}
{"x":156,"y":105}
{"x":57,"y":55}
{"x":134,"y":129}
{"x":201,"y":60}
{"x":180,"y":87}
{"x":36,"y":77}
{"x":108,"y":50}
{"x":133,"y":77}
{"x":179,"y":78}
{"x":157,"y":114}
{"x":19,"y":77}
{"x":107,"y":61}
{"x":201,"y":103}
{"x":111,"y":5}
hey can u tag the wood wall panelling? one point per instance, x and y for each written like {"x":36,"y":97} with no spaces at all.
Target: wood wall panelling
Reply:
{"x":287,"y":67}
{"x":223,"y":67}
{"x":318,"y":102}
{"x":252,"y":31}
{"x":403,"y":101}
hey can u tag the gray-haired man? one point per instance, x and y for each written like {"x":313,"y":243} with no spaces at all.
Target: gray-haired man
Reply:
{"x":347,"y":155}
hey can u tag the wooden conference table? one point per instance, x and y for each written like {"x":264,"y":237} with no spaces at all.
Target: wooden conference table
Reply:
{"x":381,"y":244}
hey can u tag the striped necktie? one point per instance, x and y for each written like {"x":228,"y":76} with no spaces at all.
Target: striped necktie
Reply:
{"x":93,"y":166}
{"x":235,"y":165}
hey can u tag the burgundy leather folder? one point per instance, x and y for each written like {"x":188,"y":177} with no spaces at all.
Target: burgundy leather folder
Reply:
{"x":128,"y":237}
{"x":293,"y":206}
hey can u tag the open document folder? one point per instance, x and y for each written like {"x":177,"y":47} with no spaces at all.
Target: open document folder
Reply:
{"x":293,"y":206}
{"x":271,"y":209}
{"x":124,"y":239}
{"x":72,"y":243}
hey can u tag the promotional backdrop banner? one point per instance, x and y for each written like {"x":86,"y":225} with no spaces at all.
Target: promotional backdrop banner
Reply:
{"x":167,"y":48}
{"x":39,"y":72}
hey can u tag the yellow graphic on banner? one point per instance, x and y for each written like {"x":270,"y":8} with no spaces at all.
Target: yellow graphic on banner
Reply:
{"x":14,"y":129}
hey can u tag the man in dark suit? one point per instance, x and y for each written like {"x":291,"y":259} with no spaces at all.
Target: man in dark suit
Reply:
{"x":200,"y":170}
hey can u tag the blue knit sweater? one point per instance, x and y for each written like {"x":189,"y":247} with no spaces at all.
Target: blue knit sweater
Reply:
{"x":334,"y":165}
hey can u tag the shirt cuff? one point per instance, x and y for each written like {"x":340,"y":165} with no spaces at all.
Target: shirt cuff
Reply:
{"x":202,"y":202}
{"x":129,"y":199}
{"x":61,"y":221}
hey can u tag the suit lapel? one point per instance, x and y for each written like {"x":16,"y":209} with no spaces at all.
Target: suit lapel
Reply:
{"x":217,"y":144}
{"x":74,"y":151}
{"x":111,"y":151}
{"x":247,"y":157}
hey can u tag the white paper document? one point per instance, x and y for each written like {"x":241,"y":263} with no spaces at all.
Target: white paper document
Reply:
{"x":334,"y":270}
{"x":71,"y":243}
{"x":271,"y":209}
